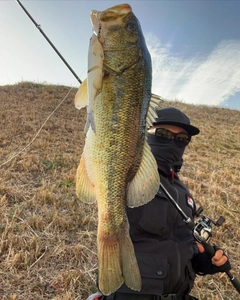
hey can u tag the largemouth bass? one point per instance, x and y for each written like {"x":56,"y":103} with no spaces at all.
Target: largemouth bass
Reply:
{"x":117,"y":167}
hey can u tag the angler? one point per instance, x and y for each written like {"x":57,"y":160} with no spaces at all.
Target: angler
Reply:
{"x":167,"y":253}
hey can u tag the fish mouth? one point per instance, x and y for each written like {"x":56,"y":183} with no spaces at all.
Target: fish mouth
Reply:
{"x":108,"y":15}
{"x":115,"y":12}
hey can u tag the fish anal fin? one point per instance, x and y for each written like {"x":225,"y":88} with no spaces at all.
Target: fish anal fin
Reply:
{"x":81,"y":98}
{"x":84,"y":188}
{"x":145,"y":184}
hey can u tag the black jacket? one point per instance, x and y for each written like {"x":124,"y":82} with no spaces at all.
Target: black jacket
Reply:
{"x":164,"y":245}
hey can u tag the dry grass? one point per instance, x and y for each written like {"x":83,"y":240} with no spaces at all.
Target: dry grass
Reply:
{"x":48,"y":239}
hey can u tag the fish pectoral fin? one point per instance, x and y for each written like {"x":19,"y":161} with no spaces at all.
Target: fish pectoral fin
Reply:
{"x":81,"y":98}
{"x":84,"y":188}
{"x":145,"y":184}
{"x":154,"y":104}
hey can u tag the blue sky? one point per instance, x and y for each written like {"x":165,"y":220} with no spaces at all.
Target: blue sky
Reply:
{"x":194,"y":45}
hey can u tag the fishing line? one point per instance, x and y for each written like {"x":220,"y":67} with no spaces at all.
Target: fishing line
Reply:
{"x":59,"y":54}
{"x":34,"y":138}
{"x":42,"y":32}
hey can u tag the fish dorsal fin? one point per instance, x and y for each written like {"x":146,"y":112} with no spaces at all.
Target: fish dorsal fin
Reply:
{"x":81,"y":98}
{"x":145,"y":184}
{"x":154,"y":104}
{"x":84,"y":188}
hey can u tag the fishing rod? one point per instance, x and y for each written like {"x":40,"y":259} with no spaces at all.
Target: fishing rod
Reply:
{"x":202,"y":232}
{"x":42,"y":32}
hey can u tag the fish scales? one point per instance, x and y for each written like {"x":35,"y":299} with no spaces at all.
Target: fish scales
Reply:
{"x":117,"y":167}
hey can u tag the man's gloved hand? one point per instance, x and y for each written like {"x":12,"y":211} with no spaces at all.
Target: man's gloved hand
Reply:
{"x":204,"y":264}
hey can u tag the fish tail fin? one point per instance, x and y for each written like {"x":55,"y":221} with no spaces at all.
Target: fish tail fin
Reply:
{"x":131,"y":273}
{"x":117,"y":264}
{"x":109,"y":266}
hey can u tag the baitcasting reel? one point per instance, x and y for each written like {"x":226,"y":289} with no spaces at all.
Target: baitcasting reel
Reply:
{"x":203,"y":229}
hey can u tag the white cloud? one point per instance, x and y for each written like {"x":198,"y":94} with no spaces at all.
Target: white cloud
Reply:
{"x":207,"y":80}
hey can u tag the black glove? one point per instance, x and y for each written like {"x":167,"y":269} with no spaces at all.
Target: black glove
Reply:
{"x":202,"y":264}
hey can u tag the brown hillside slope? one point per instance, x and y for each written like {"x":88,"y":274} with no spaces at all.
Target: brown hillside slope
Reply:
{"x":48,"y":239}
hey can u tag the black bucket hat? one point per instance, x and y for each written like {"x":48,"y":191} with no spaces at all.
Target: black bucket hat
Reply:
{"x":174,"y":116}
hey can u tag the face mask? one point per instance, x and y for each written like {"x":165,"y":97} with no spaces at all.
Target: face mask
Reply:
{"x":166,"y":153}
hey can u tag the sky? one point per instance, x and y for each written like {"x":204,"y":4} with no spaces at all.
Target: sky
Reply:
{"x":194,"y":45}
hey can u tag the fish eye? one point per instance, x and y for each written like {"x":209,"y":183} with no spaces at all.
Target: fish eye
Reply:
{"x":131,"y":26}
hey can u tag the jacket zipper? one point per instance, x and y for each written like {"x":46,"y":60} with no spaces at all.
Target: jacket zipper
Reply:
{"x":178,"y":247}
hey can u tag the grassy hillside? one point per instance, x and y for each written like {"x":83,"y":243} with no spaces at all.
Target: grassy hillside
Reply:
{"x":48,"y":239}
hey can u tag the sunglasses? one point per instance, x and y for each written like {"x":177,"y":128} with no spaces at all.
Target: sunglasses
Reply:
{"x":164,"y":135}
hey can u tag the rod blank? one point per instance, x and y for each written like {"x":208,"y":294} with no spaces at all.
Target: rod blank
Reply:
{"x":42,"y":32}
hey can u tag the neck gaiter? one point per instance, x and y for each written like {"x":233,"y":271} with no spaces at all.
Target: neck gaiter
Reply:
{"x":167,"y":154}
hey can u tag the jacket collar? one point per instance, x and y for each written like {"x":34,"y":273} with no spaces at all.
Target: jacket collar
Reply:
{"x":168,"y":170}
